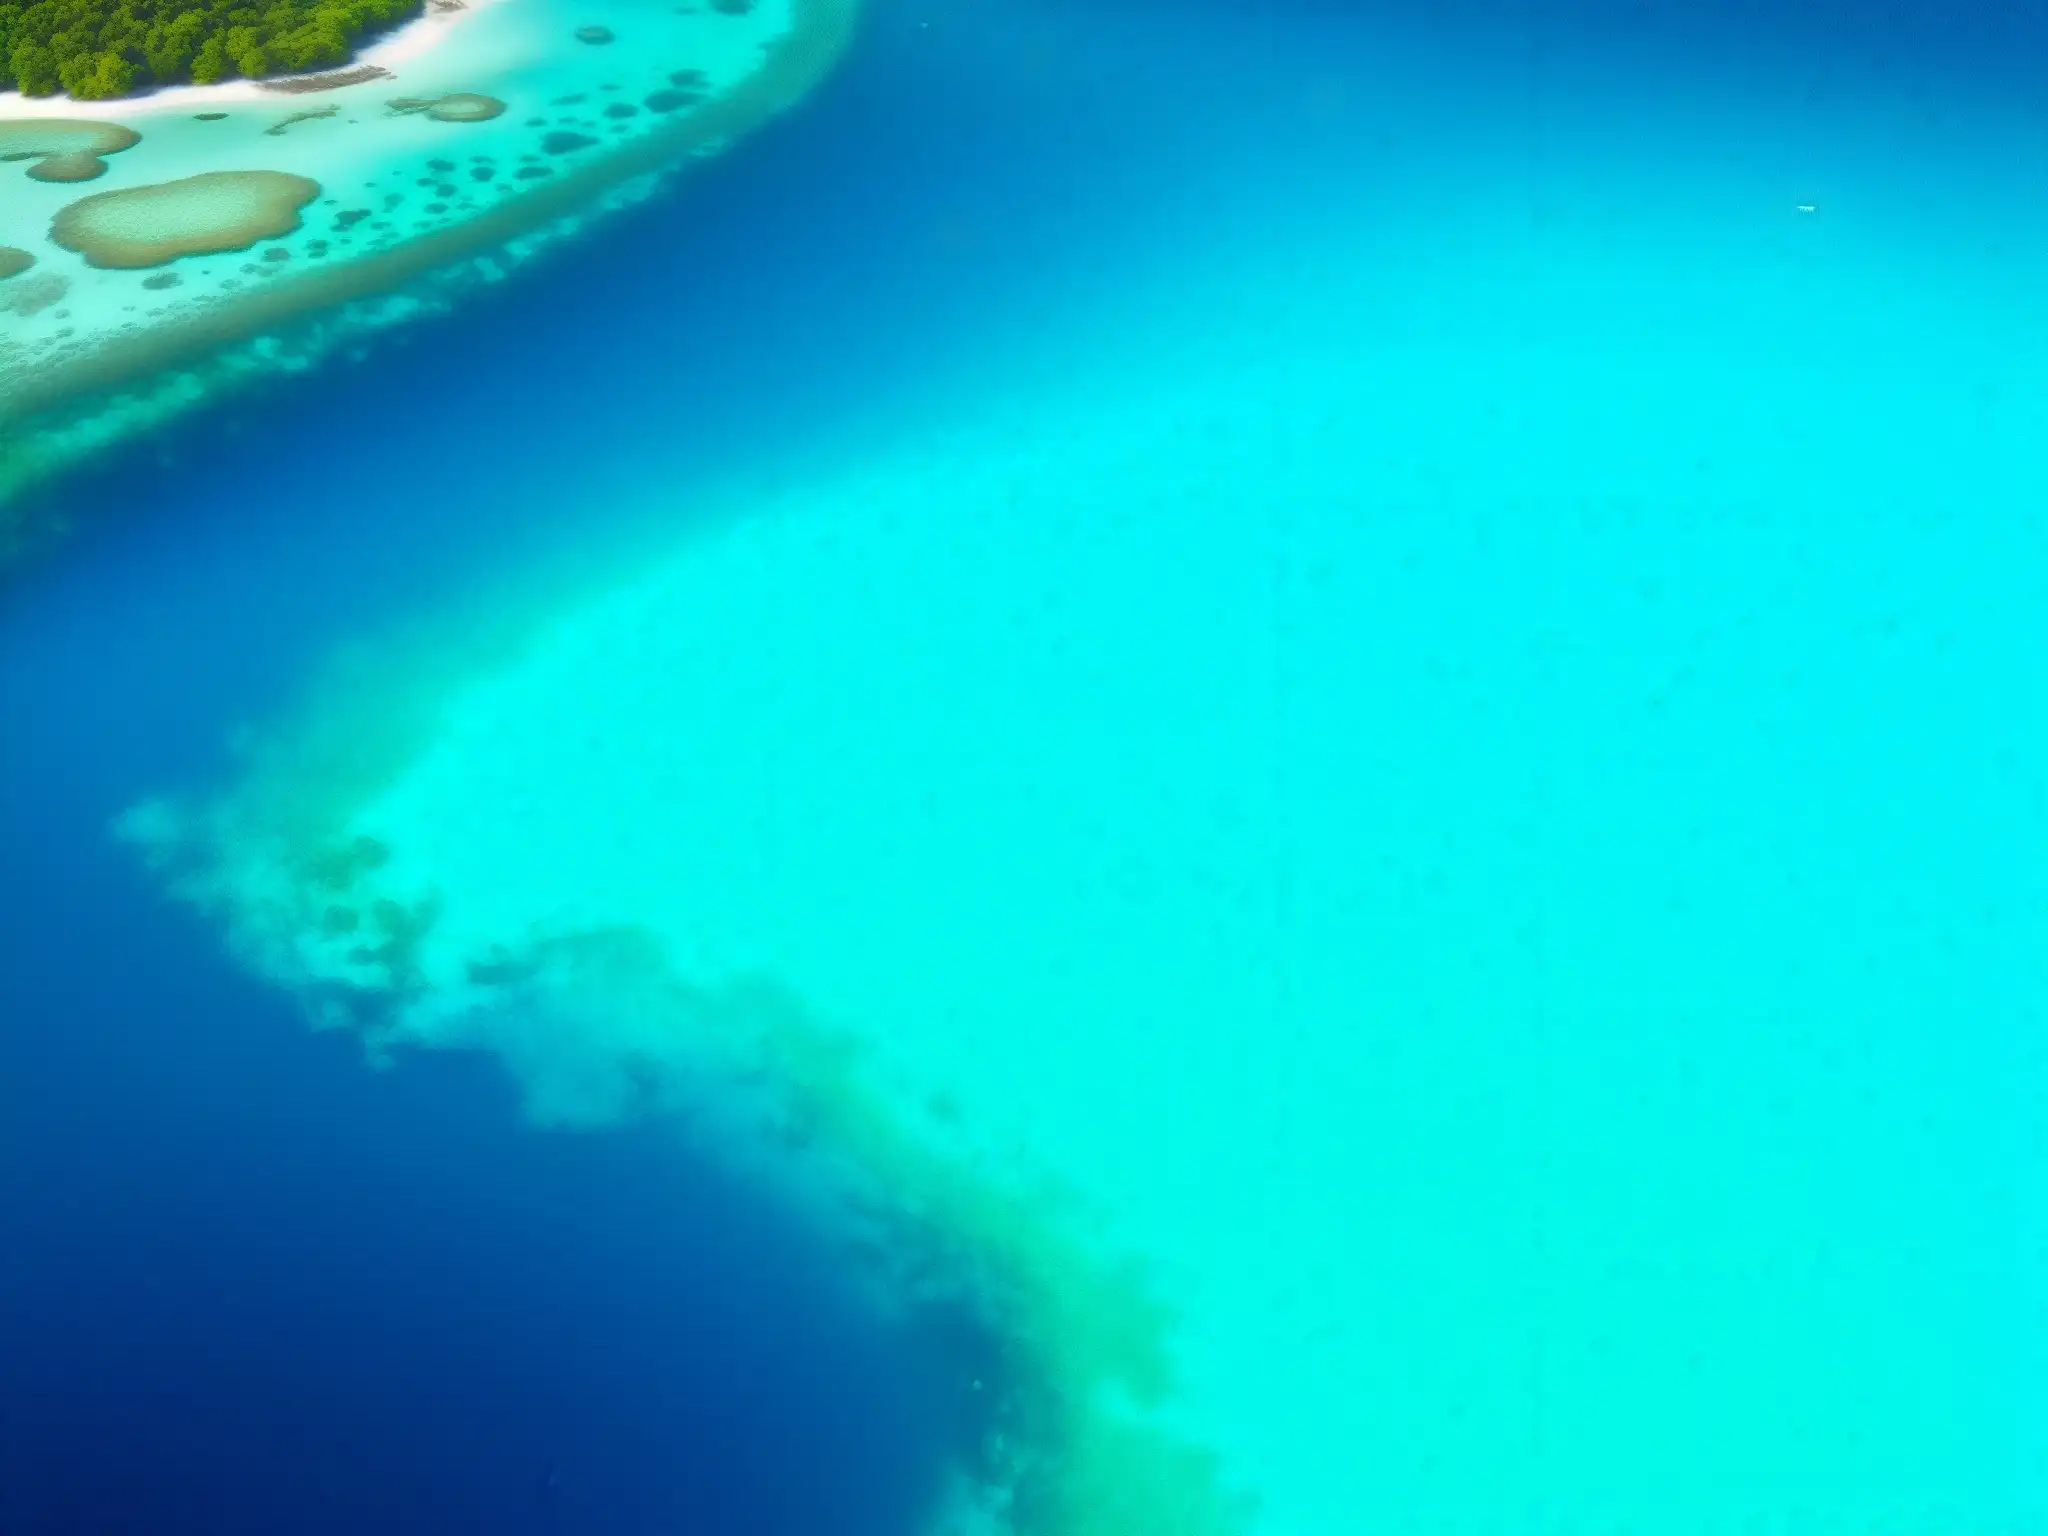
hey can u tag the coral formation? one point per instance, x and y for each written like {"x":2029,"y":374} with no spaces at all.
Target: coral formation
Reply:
{"x":62,"y":148}
{"x":198,"y":215}
{"x":93,"y":351}
{"x":466,"y":107}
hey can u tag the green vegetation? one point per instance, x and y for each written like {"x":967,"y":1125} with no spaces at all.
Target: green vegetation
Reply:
{"x":95,"y":50}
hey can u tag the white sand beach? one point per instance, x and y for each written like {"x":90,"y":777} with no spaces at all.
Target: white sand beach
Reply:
{"x":410,"y":44}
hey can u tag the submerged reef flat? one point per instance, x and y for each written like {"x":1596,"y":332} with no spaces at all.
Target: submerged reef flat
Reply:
{"x":1171,"y":912}
{"x":64,"y":149}
{"x":465,"y":107}
{"x":204,"y":215}
{"x":217,"y":244}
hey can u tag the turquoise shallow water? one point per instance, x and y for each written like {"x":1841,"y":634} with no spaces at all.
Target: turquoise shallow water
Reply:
{"x":1400,"y":656}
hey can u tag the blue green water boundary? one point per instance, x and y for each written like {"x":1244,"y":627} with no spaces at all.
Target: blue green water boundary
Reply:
{"x":1460,"y":1020}
{"x":1464,"y":829}
{"x":1062,"y":1340}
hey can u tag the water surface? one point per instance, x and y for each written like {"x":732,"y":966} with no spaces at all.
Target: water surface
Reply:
{"x":1398,"y":650}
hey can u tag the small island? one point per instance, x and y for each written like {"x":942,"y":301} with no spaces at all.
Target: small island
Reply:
{"x":100,"y":50}
{"x":193,"y":237}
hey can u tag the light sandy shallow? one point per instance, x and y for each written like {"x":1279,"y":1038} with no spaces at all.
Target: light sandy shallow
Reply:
{"x":1444,"y":853}
{"x":1245,"y":787}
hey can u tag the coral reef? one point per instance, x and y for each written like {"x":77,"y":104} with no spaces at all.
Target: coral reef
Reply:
{"x":62,"y":148}
{"x":198,"y":215}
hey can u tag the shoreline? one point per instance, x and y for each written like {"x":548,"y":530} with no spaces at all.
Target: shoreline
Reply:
{"x":53,"y":413}
{"x":415,"y":40}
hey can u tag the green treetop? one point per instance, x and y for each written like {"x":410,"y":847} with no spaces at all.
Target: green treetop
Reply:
{"x":98,"y":49}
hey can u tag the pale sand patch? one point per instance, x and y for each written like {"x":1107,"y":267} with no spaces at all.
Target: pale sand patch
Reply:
{"x":407,"y":45}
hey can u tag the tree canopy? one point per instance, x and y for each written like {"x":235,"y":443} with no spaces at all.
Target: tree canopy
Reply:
{"x":98,"y":49}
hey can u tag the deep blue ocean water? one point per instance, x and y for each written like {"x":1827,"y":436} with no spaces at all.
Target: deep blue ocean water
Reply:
{"x":247,"y":1285}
